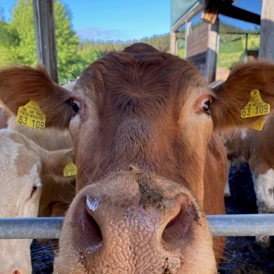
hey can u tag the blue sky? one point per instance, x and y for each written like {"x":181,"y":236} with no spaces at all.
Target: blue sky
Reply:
{"x":126,"y":19}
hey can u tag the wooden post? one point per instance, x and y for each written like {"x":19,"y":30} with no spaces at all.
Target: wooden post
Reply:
{"x":187,"y":32}
{"x":45,"y":36}
{"x":212,"y":51}
{"x":267,"y":31}
{"x":246,"y":48}
{"x":173,"y":43}
{"x":211,"y":10}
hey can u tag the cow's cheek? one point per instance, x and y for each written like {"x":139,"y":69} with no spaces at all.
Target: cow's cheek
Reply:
{"x":74,"y":129}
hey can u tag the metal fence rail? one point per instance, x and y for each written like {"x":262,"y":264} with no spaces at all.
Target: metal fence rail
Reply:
{"x":30,"y":228}
{"x":221,"y":225}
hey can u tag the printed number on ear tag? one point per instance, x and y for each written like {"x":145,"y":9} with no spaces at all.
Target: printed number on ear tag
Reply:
{"x":255,"y":106}
{"x":31,"y":115}
{"x":70,"y":170}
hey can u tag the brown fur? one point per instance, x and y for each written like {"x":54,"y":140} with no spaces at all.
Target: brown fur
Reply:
{"x":53,"y":161}
{"x":52,"y":98}
{"x":157,"y":144}
{"x":140,"y":48}
{"x":256,"y":148}
{"x":158,"y":106}
{"x":242,"y":79}
{"x":3,"y":117}
{"x":215,"y":176}
{"x":144,"y":109}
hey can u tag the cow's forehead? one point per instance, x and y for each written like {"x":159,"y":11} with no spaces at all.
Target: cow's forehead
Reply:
{"x":17,"y":154}
{"x":140,"y":71}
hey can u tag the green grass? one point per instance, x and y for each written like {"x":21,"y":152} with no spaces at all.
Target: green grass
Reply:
{"x":181,"y":53}
{"x":228,"y":60}
{"x":231,"y":51}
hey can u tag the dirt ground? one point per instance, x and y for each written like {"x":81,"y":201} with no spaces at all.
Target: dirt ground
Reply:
{"x":242,"y":255}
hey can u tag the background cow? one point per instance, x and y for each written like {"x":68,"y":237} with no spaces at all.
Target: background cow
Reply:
{"x":22,"y":163}
{"x":257,"y":149}
{"x":57,"y":192}
{"x":142,"y":125}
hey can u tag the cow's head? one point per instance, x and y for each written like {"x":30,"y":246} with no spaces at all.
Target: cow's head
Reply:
{"x":22,"y":163}
{"x":140,"y":121}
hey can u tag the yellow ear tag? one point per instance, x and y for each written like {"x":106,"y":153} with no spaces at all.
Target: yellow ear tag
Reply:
{"x":70,"y":170}
{"x":31,"y":115}
{"x":255,"y":106}
{"x":258,"y":125}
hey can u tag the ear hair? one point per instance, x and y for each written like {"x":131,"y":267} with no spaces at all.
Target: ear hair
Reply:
{"x":234,"y":93}
{"x":54,"y":162}
{"x":18,"y":85}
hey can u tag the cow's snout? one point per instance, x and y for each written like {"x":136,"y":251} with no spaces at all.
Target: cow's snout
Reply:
{"x":132,"y":223}
{"x":13,"y":265}
{"x":166,"y":223}
{"x":12,"y":271}
{"x":17,"y":272}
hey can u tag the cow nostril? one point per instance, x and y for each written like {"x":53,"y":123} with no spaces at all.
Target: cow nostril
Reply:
{"x":179,"y":227}
{"x":17,"y":272}
{"x":93,"y":232}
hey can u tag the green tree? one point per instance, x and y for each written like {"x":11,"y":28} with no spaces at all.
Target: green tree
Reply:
{"x":23,"y":25}
{"x":19,"y":45}
{"x":8,"y":40}
{"x":69,"y":65}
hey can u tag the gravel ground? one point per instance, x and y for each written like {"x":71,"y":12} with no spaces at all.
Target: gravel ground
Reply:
{"x":42,"y":258}
{"x":242,"y":255}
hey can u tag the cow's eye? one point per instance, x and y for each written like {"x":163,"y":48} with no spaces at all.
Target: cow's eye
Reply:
{"x":205,"y":105}
{"x":34,"y":189}
{"x":75,"y":105}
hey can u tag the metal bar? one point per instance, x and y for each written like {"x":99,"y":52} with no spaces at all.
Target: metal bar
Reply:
{"x":246,"y":48}
{"x":45,"y":36}
{"x":240,"y":14}
{"x":173,"y":44}
{"x":30,"y":228}
{"x":211,"y":53}
{"x":266,"y":51}
{"x":187,"y":32}
{"x":242,"y":224}
{"x":221,"y":225}
{"x":188,"y":16}
{"x":231,"y":32}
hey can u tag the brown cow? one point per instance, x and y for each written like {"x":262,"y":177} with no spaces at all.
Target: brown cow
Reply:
{"x":257,"y":149}
{"x":142,"y":124}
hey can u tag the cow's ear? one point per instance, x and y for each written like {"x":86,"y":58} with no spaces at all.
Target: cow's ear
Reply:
{"x":246,"y":84}
{"x":55,"y":162}
{"x":19,"y":85}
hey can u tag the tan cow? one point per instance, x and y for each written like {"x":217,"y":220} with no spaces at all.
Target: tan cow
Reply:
{"x":257,"y":149}
{"x":142,"y":125}
{"x":57,"y":193}
{"x":22,"y":163}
